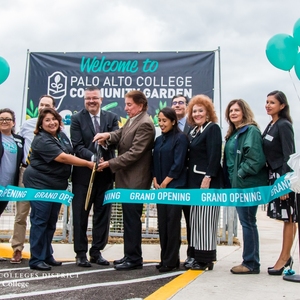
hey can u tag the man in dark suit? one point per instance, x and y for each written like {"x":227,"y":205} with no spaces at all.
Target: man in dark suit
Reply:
{"x":179,"y":104}
{"x":84,"y":126}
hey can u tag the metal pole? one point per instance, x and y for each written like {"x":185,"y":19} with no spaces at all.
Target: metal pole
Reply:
{"x":220,"y":92}
{"x":24,"y":88}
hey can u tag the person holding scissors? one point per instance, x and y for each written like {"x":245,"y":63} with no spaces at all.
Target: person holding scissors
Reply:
{"x":84,"y":126}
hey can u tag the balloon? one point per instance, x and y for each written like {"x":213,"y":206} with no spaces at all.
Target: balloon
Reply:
{"x":296,"y":32}
{"x":281,"y":51}
{"x":297,"y":66}
{"x":4,"y":70}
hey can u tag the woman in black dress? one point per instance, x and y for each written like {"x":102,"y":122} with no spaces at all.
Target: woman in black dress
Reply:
{"x":279,"y":144}
{"x":204,"y":171}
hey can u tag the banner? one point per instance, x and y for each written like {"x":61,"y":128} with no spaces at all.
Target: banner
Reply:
{"x":160,"y":75}
{"x":202,"y":197}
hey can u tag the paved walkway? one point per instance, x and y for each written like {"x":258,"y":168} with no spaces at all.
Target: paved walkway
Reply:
{"x":219,"y":283}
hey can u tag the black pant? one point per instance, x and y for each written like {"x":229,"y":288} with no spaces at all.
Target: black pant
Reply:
{"x":133,"y":231}
{"x":186,"y":211}
{"x":101,"y":219}
{"x":3,"y":205}
{"x":169,"y":217}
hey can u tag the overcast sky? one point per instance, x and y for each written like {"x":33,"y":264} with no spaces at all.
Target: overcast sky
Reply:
{"x":240,"y":28}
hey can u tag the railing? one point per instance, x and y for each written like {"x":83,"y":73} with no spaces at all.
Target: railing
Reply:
{"x":64,"y":229}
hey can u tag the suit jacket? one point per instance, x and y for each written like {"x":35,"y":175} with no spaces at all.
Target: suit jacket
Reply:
{"x":187,"y":128}
{"x":204,"y":157}
{"x":279,"y":144}
{"x":133,"y":163}
{"x":20,"y":147}
{"x":82,"y":133}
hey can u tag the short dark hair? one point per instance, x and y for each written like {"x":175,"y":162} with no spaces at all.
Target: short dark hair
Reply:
{"x":92,"y":88}
{"x":180,"y":95}
{"x":48,"y":96}
{"x":42,"y":116}
{"x":13,"y":116}
{"x":138,"y":97}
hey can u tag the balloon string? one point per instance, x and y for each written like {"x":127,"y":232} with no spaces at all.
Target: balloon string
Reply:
{"x":294,"y":86}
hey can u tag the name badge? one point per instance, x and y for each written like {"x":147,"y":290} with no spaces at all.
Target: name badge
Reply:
{"x":269,"y":138}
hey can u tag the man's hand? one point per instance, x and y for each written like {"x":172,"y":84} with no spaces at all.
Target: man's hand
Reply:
{"x":101,"y":138}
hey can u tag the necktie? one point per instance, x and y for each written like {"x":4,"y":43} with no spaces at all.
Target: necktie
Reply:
{"x":96,"y":124}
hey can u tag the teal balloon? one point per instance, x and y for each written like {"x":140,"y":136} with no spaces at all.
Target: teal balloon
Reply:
{"x":297,"y":66}
{"x":296,"y":32}
{"x":4,"y":70}
{"x":281,"y":51}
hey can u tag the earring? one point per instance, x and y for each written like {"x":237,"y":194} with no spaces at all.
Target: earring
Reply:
{"x":40,"y":127}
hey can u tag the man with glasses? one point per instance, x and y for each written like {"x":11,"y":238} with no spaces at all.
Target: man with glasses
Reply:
{"x":179,"y":104}
{"x":23,"y":207}
{"x":84,"y":126}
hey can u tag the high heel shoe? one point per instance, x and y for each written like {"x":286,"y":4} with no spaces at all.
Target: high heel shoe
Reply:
{"x":289,"y":263}
{"x":202,"y":266}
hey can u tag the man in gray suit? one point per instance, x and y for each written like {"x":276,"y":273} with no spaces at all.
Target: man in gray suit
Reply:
{"x":179,"y":104}
{"x":132,"y":168}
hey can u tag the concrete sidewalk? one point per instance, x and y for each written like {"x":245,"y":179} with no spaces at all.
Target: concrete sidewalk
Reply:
{"x":221,"y":284}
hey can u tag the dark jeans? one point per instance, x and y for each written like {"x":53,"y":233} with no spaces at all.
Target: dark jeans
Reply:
{"x":43,"y":218}
{"x":247,"y":216}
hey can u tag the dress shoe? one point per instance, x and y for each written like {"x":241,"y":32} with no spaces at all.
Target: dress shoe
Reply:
{"x":82,"y":262}
{"x":289,"y":262}
{"x":164,"y":269}
{"x":17,"y":257}
{"x":128,"y":265}
{"x":99,"y":260}
{"x":189,"y":260}
{"x":53,"y":262}
{"x":240,"y":269}
{"x":42,"y":266}
{"x":202,"y":266}
{"x":120,"y":261}
{"x":159,"y":265}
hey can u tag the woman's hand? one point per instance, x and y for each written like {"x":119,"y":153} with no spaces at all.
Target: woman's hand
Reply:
{"x":155,"y":184}
{"x":205,"y":183}
{"x":285,"y":197}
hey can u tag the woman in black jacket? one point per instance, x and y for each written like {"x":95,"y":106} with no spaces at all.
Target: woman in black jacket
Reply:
{"x":279,"y":144}
{"x":169,"y":171}
{"x":204,"y":171}
{"x":11,"y":151}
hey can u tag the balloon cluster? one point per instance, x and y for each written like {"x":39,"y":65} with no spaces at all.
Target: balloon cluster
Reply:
{"x":4,"y":70}
{"x":282,"y":50}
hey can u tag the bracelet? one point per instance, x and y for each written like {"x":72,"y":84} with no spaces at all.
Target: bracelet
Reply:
{"x":207,"y":176}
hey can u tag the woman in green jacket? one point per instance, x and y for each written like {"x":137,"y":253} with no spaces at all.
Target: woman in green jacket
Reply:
{"x":245,"y":163}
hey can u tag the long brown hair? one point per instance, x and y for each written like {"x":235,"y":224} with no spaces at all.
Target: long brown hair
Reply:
{"x":248,"y":116}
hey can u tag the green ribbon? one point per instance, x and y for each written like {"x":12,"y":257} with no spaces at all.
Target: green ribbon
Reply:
{"x":204,"y":197}
{"x":14,"y":193}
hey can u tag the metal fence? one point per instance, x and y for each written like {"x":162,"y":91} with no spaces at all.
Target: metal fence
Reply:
{"x":64,"y":229}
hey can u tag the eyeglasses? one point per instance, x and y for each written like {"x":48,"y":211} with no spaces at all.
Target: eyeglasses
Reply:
{"x":94,"y":98}
{"x":6,"y":120}
{"x":178,"y":102}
